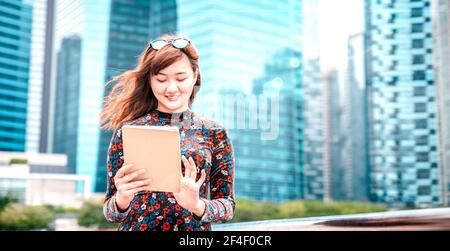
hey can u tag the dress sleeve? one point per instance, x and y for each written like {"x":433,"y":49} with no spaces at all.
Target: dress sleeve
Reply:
{"x":220,"y":207}
{"x":114,"y":162}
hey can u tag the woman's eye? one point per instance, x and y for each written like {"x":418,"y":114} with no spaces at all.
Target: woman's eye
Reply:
{"x":161,"y":80}
{"x":181,"y":80}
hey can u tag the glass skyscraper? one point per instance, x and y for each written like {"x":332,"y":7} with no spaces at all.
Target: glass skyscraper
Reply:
{"x":316,"y":113}
{"x":81,"y":29}
{"x":132,"y":24}
{"x":315,"y":185}
{"x":277,"y":176}
{"x":39,"y":73}
{"x":240,"y":43}
{"x":15,"y":37}
{"x":441,"y":35}
{"x":351,"y":182}
{"x":68,"y":100}
{"x":356,"y":103}
{"x":402,"y":104}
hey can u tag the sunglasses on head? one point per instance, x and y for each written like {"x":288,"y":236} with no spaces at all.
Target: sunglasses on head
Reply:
{"x":179,"y":43}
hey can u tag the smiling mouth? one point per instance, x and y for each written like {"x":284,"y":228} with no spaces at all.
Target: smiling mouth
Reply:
{"x":172,"y":98}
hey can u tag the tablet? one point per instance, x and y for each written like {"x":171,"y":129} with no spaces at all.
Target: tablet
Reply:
{"x":157,"y":149}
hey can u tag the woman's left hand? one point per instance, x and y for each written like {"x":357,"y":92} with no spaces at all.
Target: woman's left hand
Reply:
{"x":188,"y":197}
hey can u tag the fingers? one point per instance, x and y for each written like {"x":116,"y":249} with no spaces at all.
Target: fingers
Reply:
{"x":202,"y":178}
{"x":122,"y":171}
{"x":129,"y":177}
{"x":136,"y":184}
{"x":191,"y":161}
{"x":193,"y":172}
{"x":139,"y":189}
{"x":187,"y":169}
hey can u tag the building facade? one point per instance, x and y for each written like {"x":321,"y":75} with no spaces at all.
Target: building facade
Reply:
{"x":15,"y":43}
{"x":79,"y":52}
{"x":239,"y":53}
{"x":40,"y":66}
{"x":403,"y":131}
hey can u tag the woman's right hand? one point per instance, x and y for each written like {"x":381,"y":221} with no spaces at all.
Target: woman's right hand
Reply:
{"x":127,"y":187}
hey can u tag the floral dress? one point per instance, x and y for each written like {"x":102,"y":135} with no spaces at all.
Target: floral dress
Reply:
{"x":209,"y":145}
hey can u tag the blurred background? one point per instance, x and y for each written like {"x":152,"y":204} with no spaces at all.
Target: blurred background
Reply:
{"x":333,"y":107}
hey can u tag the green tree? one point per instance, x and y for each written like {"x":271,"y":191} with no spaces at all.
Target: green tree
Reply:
{"x":250,"y":210}
{"x":292,"y":209}
{"x":18,"y":161}
{"x":91,"y":215}
{"x":19,"y":217}
{"x":5,"y":200}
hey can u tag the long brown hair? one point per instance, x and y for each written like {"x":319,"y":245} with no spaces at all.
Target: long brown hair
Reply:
{"x":132,"y":97}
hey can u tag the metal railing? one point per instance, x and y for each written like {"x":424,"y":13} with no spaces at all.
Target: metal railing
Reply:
{"x":418,"y":219}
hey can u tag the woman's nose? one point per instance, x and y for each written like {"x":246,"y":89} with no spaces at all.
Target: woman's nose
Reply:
{"x":173,"y":87}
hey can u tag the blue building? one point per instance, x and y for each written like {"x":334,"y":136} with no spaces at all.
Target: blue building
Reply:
{"x":76,"y":92}
{"x":240,"y":45}
{"x":68,"y":100}
{"x":402,"y":104}
{"x":315,"y":168}
{"x":351,"y":173}
{"x":277,"y":176}
{"x":316,"y":151}
{"x":40,"y":68}
{"x":356,"y":104}
{"x":15,"y":37}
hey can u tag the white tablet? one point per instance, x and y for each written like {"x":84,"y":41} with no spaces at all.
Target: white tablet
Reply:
{"x":157,"y":149}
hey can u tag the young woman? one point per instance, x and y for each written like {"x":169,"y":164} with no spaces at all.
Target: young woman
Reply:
{"x":159,"y":92}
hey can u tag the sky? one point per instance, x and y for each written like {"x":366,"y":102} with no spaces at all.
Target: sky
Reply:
{"x":338,"y":20}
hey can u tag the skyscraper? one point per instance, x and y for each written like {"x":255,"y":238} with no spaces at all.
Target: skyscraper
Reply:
{"x":336,"y":172}
{"x":352,"y":181}
{"x":40,"y":65}
{"x":236,"y":41}
{"x":238,"y":37}
{"x":356,"y":102}
{"x":316,"y":148}
{"x":276,"y":177}
{"x":315,"y":183}
{"x":132,"y":25}
{"x":162,"y":17}
{"x":15,"y":37}
{"x":68,"y":79}
{"x":81,"y":29}
{"x":402,"y":104}
{"x":441,"y":36}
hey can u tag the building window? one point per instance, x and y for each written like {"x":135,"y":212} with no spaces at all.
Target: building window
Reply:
{"x":422,"y":157}
{"x":423,"y":173}
{"x":419,"y":75}
{"x":422,"y":140}
{"x":418,"y":59}
{"x":416,"y":28}
{"x":419,"y":91}
{"x":424,"y":190}
{"x":420,"y":107}
{"x":416,"y":12}
{"x":421,"y":123}
{"x":417,"y":43}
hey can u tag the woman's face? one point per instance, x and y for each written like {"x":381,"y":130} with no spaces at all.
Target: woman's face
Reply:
{"x":173,"y":86}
